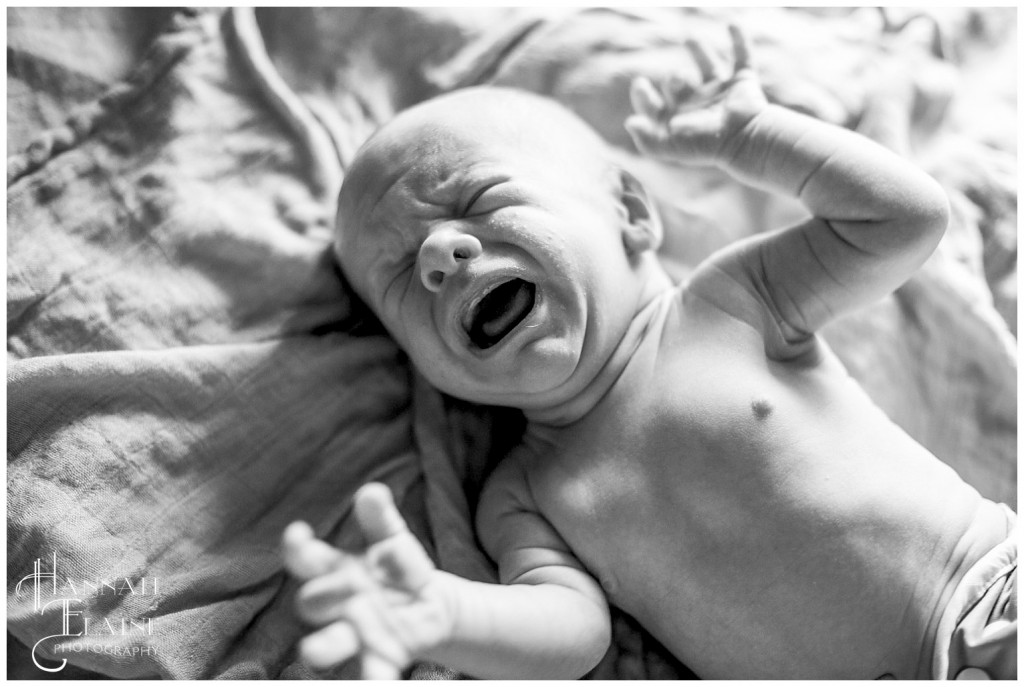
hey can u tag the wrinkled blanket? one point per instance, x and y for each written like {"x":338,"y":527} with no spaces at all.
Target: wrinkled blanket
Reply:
{"x":188,"y":371}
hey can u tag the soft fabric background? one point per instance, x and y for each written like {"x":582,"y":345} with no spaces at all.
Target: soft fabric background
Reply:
{"x":187,"y":371}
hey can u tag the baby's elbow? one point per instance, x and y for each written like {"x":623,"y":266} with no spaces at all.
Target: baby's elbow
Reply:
{"x":920,"y":225}
{"x":589,"y":645}
{"x":932,"y":213}
{"x":599,"y":641}
{"x":585,"y":657}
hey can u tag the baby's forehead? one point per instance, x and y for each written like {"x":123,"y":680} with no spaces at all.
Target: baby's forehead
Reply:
{"x":432,"y":159}
{"x":485,"y":117}
{"x":429,"y":153}
{"x":415,"y":168}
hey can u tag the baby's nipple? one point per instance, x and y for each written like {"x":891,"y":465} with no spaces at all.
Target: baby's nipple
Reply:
{"x":762,"y":408}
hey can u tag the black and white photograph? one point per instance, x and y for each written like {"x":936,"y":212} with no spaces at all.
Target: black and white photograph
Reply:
{"x":491,"y":342}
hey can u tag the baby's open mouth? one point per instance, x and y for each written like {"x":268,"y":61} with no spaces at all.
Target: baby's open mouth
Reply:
{"x":498,"y":313}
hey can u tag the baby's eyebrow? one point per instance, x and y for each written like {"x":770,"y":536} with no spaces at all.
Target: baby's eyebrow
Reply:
{"x":454,"y":190}
{"x":445,"y":192}
{"x":372,"y":209}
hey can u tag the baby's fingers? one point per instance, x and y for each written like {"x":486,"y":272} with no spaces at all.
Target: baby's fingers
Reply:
{"x":402,"y":561}
{"x":376,"y":667}
{"x":377,"y":513}
{"x":329,"y":646}
{"x":649,"y":136}
{"x":305,"y":556}
{"x":645,"y":98}
{"x":382,"y":632}
{"x":702,"y":59}
{"x":740,"y":49}
{"x":323,"y":599}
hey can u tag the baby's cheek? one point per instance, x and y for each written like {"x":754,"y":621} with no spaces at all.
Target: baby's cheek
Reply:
{"x":547,"y":362}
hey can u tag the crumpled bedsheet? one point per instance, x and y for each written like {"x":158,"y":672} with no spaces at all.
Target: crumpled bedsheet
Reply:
{"x":188,"y":372}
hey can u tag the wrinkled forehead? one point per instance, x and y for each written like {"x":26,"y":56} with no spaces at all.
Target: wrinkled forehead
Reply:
{"x":417,"y":156}
{"x":433,"y":140}
{"x":426,"y":152}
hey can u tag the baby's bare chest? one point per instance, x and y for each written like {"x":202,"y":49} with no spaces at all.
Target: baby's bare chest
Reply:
{"x":692,"y":491}
{"x":716,"y":484}
{"x":672,"y":457}
{"x":691,"y":428}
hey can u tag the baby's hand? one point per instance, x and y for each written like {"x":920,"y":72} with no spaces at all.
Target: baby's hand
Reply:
{"x":383,"y":604}
{"x":695,"y":124}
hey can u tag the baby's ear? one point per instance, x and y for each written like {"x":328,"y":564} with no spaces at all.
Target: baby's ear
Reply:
{"x":642,"y":228}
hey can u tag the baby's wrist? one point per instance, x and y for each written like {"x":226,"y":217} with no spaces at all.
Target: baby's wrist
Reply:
{"x":445,"y":601}
{"x":742,"y":135}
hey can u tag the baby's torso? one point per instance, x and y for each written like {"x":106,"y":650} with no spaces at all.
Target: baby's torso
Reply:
{"x":761,"y":519}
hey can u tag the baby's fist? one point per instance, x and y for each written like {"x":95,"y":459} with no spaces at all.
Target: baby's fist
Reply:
{"x":695,"y":124}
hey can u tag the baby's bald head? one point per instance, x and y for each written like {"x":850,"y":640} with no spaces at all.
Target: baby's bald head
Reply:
{"x":438,"y":136}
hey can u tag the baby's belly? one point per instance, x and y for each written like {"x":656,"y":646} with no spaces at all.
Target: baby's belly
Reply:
{"x":768,"y":552}
{"x":755,"y":594}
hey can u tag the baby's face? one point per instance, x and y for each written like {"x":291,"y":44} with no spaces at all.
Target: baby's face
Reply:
{"x":489,"y":244}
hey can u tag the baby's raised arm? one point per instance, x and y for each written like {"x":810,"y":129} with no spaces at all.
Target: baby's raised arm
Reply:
{"x":876,"y":217}
{"x":390,"y":605}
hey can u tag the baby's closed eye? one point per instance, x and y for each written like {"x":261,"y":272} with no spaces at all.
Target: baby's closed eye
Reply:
{"x":474,"y":199}
{"x":487,"y":198}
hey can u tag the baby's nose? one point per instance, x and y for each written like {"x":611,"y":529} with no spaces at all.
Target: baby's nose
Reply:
{"x":442,"y":253}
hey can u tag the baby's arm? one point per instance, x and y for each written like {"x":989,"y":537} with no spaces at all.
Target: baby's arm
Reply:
{"x":390,"y":605}
{"x":876,"y":217}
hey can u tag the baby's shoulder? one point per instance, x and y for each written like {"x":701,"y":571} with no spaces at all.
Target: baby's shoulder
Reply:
{"x":508,"y":519}
{"x":507,"y":485}
{"x":725,"y":281}
{"x":729,"y":287}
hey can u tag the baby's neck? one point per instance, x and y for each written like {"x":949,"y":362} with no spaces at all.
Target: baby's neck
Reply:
{"x":574,"y":409}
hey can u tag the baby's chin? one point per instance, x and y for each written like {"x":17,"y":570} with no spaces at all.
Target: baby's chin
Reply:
{"x":541,"y":374}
